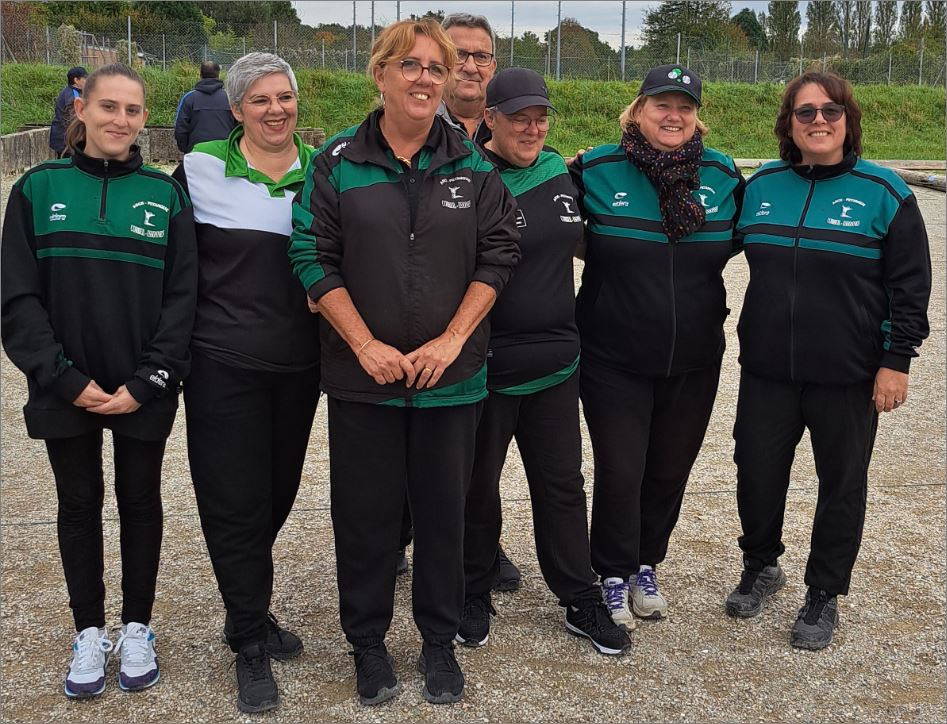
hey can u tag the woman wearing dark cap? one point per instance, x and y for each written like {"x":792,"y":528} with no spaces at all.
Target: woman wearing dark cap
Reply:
{"x":532,"y":375}
{"x":836,"y":307}
{"x":660,"y":209}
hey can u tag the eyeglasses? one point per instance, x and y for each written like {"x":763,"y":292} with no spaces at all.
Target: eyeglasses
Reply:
{"x":411,"y":70}
{"x":522,"y":123}
{"x":481,"y":57}
{"x":831,"y":112}
{"x":284,"y":99}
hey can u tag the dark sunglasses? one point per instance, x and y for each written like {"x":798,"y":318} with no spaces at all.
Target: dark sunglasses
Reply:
{"x":831,"y":112}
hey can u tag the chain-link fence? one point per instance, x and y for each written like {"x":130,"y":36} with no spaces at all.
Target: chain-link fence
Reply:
{"x":124,"y":40}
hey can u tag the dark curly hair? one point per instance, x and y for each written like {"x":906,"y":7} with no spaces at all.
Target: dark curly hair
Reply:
{"x":836,"y":88}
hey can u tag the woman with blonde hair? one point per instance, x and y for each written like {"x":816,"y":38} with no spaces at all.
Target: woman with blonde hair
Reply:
{"x":660,"y":208}
{"x":404,"y":236}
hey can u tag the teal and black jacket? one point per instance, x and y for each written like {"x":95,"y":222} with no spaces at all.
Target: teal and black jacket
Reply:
{"x":840,"y":273}
{"x":534,"y":342}
{"x":405,"y":243}
{"x":648,"y":306}
{"x":99,"y":281}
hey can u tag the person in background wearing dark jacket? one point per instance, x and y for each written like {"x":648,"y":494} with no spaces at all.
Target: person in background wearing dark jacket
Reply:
{"x":836,"y":307}
{"x":99,"y":285}
{"x":533,"y":377}
{"x":403,"y":236}
{"x":63,"y":108}
{"x":660,"y":208}
{"x":204,"y":112}
{"x":252,"y":395}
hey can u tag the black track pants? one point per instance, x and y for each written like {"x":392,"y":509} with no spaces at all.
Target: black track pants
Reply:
{"x":247,"y":434}
{"x":77,"y":467}
{"x":646,"y":433}
{"x":375,"y":453}
{"x":842,"y":422}
{"x":546,"y":427}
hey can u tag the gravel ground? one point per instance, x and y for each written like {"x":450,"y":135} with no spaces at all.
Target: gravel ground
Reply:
{"x":886,"y":664}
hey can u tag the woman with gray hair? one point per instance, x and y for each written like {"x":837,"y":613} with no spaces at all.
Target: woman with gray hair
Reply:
{"x":254,"y":382}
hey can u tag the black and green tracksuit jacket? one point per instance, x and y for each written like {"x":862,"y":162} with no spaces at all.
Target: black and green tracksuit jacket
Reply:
{"x":840,"y":273}
{"x":534,"y":342}
{"x":405,"y":243}
{"x":99,"y":277}
{"x":251,"y":313}
{"x":647,"y":306}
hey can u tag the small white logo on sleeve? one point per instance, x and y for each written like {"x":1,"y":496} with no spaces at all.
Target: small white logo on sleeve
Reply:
{"x":161,"y":378}
{"x":56,"y":216}
{"x":338,"y":149}
{"x":620,"y":199}
{"x":567,"y":201}
{"x":764,"y":209}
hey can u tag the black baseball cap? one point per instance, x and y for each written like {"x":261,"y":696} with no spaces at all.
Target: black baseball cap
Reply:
{"x":513,"y":89}
{"x":666,"y":78}
{"x":77,"y":72}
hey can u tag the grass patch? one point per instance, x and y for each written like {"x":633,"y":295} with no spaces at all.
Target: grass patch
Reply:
{"x":898,"y":122}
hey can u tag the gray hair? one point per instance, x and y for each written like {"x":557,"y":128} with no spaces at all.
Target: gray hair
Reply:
{"x":468,"y":20}
{"x":247,"y":69}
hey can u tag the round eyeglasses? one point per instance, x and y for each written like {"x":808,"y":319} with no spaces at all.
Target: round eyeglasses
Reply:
{"x":521,"y":123}
{"x":412,"y":69}
{"x":831,"y":112}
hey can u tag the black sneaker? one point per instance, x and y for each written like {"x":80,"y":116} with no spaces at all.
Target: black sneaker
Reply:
{"x":402,"y":563}
{"x":375,"y":677}
{"x":746,"y":600}
{"x":443,"y":679}
{"x":281,"y":644}
{"x":591,"y":620}
{"x":475,"y":622}
{"x":508,"y":575}
{"x":817,"y":620}
{"x":256,"y":687}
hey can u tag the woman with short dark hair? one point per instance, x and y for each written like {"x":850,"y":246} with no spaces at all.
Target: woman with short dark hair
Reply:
{"x":836,"y":307}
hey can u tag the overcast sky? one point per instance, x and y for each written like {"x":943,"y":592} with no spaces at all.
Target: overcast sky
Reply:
{"x":535,"y":15}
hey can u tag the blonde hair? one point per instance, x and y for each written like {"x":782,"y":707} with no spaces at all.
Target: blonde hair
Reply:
{"x":395,"y":42}
{"x":627,"y":117}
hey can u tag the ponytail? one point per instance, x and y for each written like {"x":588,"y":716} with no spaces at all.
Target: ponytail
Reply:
{"x":75,"y":132}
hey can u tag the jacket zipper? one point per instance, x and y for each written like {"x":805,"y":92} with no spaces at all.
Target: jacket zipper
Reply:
{"x":792,"y":292}
{"x":673,"y":310}
{"x":105,"y":185}
{"x":414,"y":201}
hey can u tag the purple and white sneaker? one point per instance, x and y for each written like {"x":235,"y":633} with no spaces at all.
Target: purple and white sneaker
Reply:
{"x":139,"y":663}
{"x":90,"y":656}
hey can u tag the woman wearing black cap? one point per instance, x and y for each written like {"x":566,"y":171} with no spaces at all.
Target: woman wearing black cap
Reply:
{"x":532,"y":375}
{"x":660,"y":209}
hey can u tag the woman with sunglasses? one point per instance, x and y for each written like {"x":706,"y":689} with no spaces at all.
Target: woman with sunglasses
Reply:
{"x":403,"y":238}
{"x":836,"y":307}
{"x":660,"y":208}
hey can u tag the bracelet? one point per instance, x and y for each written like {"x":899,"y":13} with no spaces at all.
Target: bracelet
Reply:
{"x":364,"y":345}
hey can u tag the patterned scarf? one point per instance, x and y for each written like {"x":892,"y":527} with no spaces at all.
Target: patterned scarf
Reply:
{"x":674,"y":174}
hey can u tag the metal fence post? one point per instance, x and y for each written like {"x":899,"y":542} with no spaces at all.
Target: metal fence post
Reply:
{"x":512,"y":28}
{"x":47,"y":45}
{"x":398,"y":10}
{"x":128,"y":18}
{"x":688,"y":56}
{"x":164,"y":54}
{"x":623,"y":41}
{"x":756,"y":66}
{"x":373,"y":32}
{"x":802,"y":52}
{"x":559,"y":42}
{"x":548,"y":53}
{"x":354,"y":40}
{"x":677,"y":59}
{"x":920,"y":65}
{"x":274,"y":38}
{"x":323,"y":53}
{"x":889,"y":67}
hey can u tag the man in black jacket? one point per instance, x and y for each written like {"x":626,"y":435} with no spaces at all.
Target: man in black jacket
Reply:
{"x":204,"y":112}
{"x":62,"y":110}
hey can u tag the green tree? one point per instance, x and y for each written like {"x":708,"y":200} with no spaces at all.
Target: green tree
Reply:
{"x":886,"y":20}
{"x":822,"y":31}
{"x":747,"y":21}
{"x":691,"y":18}
{"x":583,"y":53}
{"x":935,"y":24}
{"x":912,"y":20}
{"x":237,"y":16}
{"x":845,"y":19}
{"x":861,"y":43}
{"x":782,"y":28}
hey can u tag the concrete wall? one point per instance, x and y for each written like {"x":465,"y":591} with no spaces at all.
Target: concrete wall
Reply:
{"x":22,"y":150}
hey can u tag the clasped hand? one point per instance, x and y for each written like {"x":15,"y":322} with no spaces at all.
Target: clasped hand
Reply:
{"x":422,"y":368}
{"x":94,"y":399}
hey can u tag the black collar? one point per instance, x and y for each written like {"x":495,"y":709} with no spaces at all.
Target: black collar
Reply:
{"x":817,"y":172}
{"x":370,"y":146}
{"x":107,"y":168}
